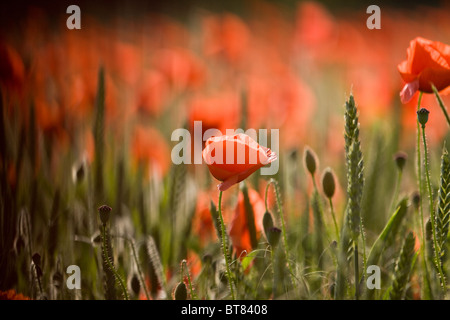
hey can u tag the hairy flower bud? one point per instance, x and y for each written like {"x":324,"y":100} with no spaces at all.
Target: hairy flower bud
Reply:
{"x":104,"y":212}
{"x":328,"y":183}
{"x":310,"y":160}
{"x":422,"y":116}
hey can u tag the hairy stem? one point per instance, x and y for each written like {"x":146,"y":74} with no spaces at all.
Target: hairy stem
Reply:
{"x":432,"y":213}
{"x":441,"y":104}
{"x":106,"y":258}
{"x":225,"y":247}
{"x":283,"y":229}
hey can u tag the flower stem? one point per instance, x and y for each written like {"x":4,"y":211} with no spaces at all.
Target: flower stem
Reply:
{"x":432,"y":213}
{"x":136,"y":261}
{"x":356,"y":271}
{"x":397,"y":187}
{"x":283,"y":229}
{"x":334,"y":218}
{"x":184,"y":267}
{"x":225,"y":247}
{"x":110,"y":266}
{"x":441,"y":104}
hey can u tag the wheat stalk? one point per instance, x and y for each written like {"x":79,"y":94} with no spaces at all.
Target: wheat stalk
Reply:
{"x":403,"y":268}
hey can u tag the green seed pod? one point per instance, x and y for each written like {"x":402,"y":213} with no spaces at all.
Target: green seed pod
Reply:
{"x":333,"y":245}
{"x":273,"y":236}
{"x":36,"y":259}
{"x":428,"y":230}
{"x":416,"y":199}
{"x":422,"y":116}
{"x":267,"y":222}
{"x":400,"y":160}
{"x":180,"y":292}
{"x":104,"y":212}
{"x":310,"y":160}
{"x":328,"y":183}
{"x":135,"y":285}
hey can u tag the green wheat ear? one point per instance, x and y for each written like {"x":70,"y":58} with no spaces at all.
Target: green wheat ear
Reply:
{"x":355,"y":167}
{"x":351,"y":228}
{"x":443,"y":210}
{"x":403,"y":268}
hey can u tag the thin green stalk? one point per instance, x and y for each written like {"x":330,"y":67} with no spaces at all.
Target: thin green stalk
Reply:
{"x":136,"y":261}
{"x":419,"y":177}
{"x":356,"y":271}
{"x":283,"y":229}
{"x":225,"y":247}
{"x":274,"y":285}
{"x":110,"y":266}
{"x":397,"y":187}
{"x":432,"y":213}
{"x":441,"y":104}
{"x":334,"y":218}
{"x":184,"y":267}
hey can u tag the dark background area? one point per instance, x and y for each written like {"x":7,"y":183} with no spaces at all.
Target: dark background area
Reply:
{"x":11,"y":12}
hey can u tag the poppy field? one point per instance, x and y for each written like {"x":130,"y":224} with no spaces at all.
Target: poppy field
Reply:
{"x":244,"y":150}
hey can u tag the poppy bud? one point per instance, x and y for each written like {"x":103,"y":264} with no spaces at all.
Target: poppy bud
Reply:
{"x":267,"y":222}
{"x":180,"y":292}
{"x":428,"y":230}
{"x":333,"y":245}
{"x":422,"y":116}
{"x":328,"y":183}
{"x":310,"y":160}
{"x":207,"y":259}
{"x":400,"y":160}
{"x":135,"y":285}
{"x":273,"y":236}
{"x":104,"y":212}
{"x":36,"y":259}
{"x":416,"y":199}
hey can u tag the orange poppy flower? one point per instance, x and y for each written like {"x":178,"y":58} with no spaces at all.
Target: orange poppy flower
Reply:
{"x":428,"y":63}
{"x":232,"y":158}
{"x":239,"y":233}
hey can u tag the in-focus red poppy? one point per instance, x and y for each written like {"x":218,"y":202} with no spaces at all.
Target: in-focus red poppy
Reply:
{"x":239,"y":232}
{"x":427,"y":63}
{"x":232,"y":158}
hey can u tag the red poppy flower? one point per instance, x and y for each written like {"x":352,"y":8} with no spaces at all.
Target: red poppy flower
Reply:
{"x":232,"y":158}
{"x":428,"y":63}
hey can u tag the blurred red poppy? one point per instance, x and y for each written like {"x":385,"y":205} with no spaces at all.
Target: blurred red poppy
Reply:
{"x":202,"y":223}
{"x":226,"y":35}
{"x":428,"y":63}
{"x":232,"y":159}
{"x":150,"y":149}
{"x":216,"y":111}
{"x":239,"y":232}
{"x":12,"y":295}
{"x":12,"y":69}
